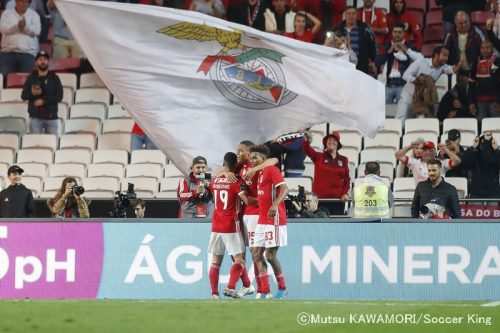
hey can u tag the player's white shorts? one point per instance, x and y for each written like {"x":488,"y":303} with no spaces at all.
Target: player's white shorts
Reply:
{"x":219,"y":242}
{"x":267,"y":235}
{"x":249,"y":225}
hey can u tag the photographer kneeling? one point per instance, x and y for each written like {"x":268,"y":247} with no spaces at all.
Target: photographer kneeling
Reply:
{"x":69,"y":201}
{"x":308,"y":208}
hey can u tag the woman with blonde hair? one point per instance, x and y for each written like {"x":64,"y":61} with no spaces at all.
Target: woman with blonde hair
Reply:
{"x":69,"y":202}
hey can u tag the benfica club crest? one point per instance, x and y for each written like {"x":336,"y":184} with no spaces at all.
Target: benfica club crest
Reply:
{"x":248,"y":77}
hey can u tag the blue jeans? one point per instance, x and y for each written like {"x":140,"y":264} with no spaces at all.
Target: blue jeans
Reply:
{"x":44,"y":126}
{"x":138,"y":141}
{"x":392,"y":94}
{"x":13,"y":62}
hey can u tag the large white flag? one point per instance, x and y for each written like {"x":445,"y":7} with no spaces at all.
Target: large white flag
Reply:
{"x":198,"y":85}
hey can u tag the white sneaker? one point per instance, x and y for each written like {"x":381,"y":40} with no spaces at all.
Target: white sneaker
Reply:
{"x":246,"y":291}
{"x":257,"y":295}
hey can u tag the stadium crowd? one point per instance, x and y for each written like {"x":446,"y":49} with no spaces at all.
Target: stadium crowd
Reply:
{"x":408,"y":45}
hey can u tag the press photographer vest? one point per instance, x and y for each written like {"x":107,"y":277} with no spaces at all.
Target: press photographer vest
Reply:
{"x":371,"y":195}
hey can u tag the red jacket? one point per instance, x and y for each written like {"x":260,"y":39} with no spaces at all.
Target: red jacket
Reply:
{"x":413,"y":32}
{"x":331,"y":176}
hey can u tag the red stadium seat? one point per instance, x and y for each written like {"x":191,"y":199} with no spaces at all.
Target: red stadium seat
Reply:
{"x":63,"y":64}
{"x":16,"y":80}
{"x":433,"y":34}
{"x":480,"y":18}
{"x":433,"y":18}
{"x":427,"y":49}
{"x":433,"y":6}
{"x":418,"y":5}
{"x":418,"y":15}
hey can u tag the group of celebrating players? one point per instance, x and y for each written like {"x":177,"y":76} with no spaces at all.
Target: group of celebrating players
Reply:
{"x":250,"y":179}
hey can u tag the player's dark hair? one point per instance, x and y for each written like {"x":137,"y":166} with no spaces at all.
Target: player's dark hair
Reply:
{"x":437,"y":50}
{"x":261,"y":149}
{"x":247,"y":143}
{"x":230,"y":161}
{"x":435,"y":162}
{"x":372,"y":168}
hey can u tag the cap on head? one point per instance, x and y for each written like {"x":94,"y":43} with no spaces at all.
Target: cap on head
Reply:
{"x":14,"y":169}
{"x":42,"y":54}
{"x":429,"y":145}
{"x":335,"y":135}
{"x":198,"y":160}
{"x":453,"y":134}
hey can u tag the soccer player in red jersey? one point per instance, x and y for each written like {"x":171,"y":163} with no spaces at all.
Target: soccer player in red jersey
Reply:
{"x":225,"y":227}
{"x":270,"y":233}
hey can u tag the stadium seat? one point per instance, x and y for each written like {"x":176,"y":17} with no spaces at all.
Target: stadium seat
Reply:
{"x":418,"y":15}
{"x":410,"y":137}
{"x":317,"y":139}
{"x":341,"y":129}
{"x":380,"y":155}
{"x":88,"y":110}
{"x":172,"y":171}
{"x":144,"y":170}
{"x":113,"y":170}
{"x":11,"y":95}
{"x":461,"y":124}
{"x":392,"y":126}
{"x":93,"y":95}
{"x":78,"y":156}
{"x":117,"y":111}
{"x":460,"y":184}
{"x":100,"y":187}
{"x":110,"y":156}
{"x":386,"y":171}
{"x":35,"y":156}
{"x":422,"y":125}
{"x":67,"y":170}
{"x":114,"y":141}
{"x":390,"y":110}
{"x":383,"y":140}
{"x":480,"y":17}
{"x":64,"y":64}
{"x":117,"y":126}
{"x":351,"y":140}
{"x":9,"y":140}
{"x":34,"y":170}
{"x":352,"y":155}
{"x":402,"y":208}
{"x":13,"y":125}
{"x":77,"y":141}
{"x":434,"y":6}
{"x":170,"y":184}
{"x":82,"y":125}
{"x":433,"y":34}
{"x":151,"y":156}
{"x":62,"y":111}
{"x":490,"y":124}
{"x":404,"y":184}
{"x":68,"y":80}
{"x":294,"y":183}
{"x":7,"y":156}
{"x":309,"y":170}
{"x":40,"y":141}
{"x":68,"y":96}
{"x":145,"y":187}
{"x":427,"y":49}
{"x":14,"y":109}
{"x":34,"y":184}
{"x":91,"y":80}
{"x":433,"y":18}
{"x":16,"y":80}
{"x":466,"y":140}
{"x":53,"y":184}
{"x":419,"y":5}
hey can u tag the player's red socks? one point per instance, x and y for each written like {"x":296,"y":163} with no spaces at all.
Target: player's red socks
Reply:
{"x":281,"y":282}
{"x":264,"y":280}
{"x":214,"y":278}
{"x":257,"y":277}
{"x":235,"y":274}
{"x":244,"y":277}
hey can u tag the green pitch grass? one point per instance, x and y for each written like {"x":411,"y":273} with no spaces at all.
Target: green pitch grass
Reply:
{"x":235,"y":316}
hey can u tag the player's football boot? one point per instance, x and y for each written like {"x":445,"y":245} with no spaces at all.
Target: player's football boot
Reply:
{"x":264,"y":296}
{"x":215,"y":296}
{"x":246,"y":291}
{"x":280,"y":294}
{"x":231,"y":293}
{"x":257,"y":295}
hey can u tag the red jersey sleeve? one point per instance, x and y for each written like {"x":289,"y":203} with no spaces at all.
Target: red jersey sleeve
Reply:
{"x":313,"y":154}
{"x":183,"y":192}
{"x":275,"y":175}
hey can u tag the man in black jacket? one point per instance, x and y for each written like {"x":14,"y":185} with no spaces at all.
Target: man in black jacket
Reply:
{"x":309,"y":209}
{"x":16,"y":201}
{"x":435,"y":187}
{"x":43,"y":90}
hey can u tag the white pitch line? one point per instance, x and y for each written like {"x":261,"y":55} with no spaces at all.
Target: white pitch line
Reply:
{"x":496,"y":303}
{"x":405,"y":304}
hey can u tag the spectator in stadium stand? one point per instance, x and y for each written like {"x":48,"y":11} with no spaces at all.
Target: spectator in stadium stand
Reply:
{"x":301,"y":32}
{"x":412,"y":31}
{"x":39,"y":7}
{"x":463,"y":41}
{"x":279,"y":18}
{"x":294,"y":156}
{"x":397,"y":55}
{"x":20,"y":27}
{"x":361,"y":39}
{"x":453,"y":144}
{"x":64,"y":45}
{"x":414,"y":76}
{"x":450,"y":7}
{"x":372,"y":194}
{"x":139,"y":139}
{"x":416,"y":152}
{"x":337,"y":8}
{"x":139,"y":207}
{"x":339,"y":39}
{"x":495,"y":40}
{"x":435,"y":187}
{"x":484,"y":83}
{"x":309,"y":209}
{"x":375,"y":19}
{"x":209,"y":7}
{"x":331,"y":172}
{"x":249,"y":13}
{"x":495,"y":23}
{"x":69,"y":202}
{"x":419,"y":166}
{"x":193,"y":195}
{"x":16,"y":201}
{"x":436,"y":210}
{"x":275,"y":151}
{"x":482,"y":160}
{"x":455,"y":102}
{"x":43,"y":90}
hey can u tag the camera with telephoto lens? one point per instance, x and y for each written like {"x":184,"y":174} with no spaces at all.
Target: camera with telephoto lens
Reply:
{"x":122,"y":202}
{"x":78,"y":190}
{"x":300,"y":199}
